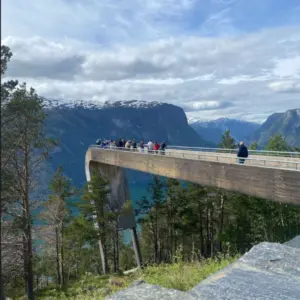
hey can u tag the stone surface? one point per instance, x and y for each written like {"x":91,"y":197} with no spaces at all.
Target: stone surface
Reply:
{"x":295,"y":242}
{"x":137,"y":282}
{"x":269,"y":271}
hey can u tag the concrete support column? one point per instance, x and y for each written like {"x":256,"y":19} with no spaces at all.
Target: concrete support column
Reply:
{"x":103,"y":257}
{"x":136,"y":247}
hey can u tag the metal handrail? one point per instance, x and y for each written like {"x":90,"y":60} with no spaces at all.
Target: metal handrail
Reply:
{"x":184,"y":154}
{"x":235,"y":150}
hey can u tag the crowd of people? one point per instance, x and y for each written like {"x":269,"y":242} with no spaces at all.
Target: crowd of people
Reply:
{"x":155,"y":147}
{"x":150,"y":147}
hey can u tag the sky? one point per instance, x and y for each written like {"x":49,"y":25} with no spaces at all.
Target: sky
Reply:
{"x":214,"y":58}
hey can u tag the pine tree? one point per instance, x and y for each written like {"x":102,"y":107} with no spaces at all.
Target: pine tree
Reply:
{"x":56,"y":215}
{"x":277,"y":143}
{"x":25,"y":109}
{"x":95,"y":206}
{"x":253,"y":146}
{"x":227,"y":141}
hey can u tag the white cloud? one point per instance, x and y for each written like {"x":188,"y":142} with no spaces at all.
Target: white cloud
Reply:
{"x":140,"y":49}
{"x":288,"y":67}
{"x":287,"y":86}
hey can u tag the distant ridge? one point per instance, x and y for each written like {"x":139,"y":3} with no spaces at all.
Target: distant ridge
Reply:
{"x":92,"y":104}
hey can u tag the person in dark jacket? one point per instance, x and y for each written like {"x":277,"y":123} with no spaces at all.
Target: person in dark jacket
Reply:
{"x":119,"y":143}
{"x":133,"y":145}
{"x":123,"y":143}
{"x":98,"y":142}
{"x":162,"y":148}
{"x":243,"y":152}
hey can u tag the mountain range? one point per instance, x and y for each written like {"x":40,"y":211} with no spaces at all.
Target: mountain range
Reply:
{"x":212,"y":130}
{"x":79,"y":124}
{"x":287,"y":124}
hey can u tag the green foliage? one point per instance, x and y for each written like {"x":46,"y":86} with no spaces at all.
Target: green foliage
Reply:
{"x":181,"y":276}
{"x":195,"y":222}
{"x":277,"y":143}
{"x":227,"y":141}
{"x":6,"y":55}
{"x":94,"y":201}
{"x":253,"y":146}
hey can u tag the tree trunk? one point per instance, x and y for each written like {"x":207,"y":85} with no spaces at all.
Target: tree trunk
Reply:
{"x":57,"y":257}
{"x":114,"y":253}
{"x":102,"y":244}
{"x":221,"y":223}
{"x":117,"y":248}
{"x":61,"y":260}
{"x":211,"y":233}
{"x":27,"y":232}
{"x":1,"y":274}
{"x":207,"y":230}
{"x":156,"y":237}
{"x":37,"y":282}
{"x":29,"y":269}
{"x":201,"y":229}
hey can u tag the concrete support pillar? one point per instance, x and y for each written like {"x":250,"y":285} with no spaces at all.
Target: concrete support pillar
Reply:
{"x":103,"y":257}
{"x":136,"y":247}
{"x":118,"y":200}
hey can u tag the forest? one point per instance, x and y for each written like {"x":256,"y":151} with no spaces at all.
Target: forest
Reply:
{"x":44,"y":243}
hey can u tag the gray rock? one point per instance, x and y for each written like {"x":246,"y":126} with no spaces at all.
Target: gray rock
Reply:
{"x":147,"y":291}
{"x":137,"y":282}
{"x":275,"y":258}
{"x":269,"y":271}
{"x":295,"y":242}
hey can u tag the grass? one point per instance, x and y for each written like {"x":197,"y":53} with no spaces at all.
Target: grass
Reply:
{"x":181,"y":276}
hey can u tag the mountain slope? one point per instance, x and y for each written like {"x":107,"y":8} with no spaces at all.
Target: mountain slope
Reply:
{"x":212,"y":130}
{"x":287,"y":124}
{"x":78,"y":125}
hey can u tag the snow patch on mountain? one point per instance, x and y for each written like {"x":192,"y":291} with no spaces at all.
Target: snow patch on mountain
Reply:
{"x":217,"y":122}
{"x":53,"y":103}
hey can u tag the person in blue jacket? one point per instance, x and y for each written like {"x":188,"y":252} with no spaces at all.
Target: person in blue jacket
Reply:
{"x":243,"y":152}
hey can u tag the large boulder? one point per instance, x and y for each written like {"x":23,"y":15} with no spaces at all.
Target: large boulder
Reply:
{"x":268,"y":271}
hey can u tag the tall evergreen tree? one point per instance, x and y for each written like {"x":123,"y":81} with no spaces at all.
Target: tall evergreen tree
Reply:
{"x":253,"y":146}
{"x":95,"y":206}
{"x":25,"y":108}
{"x":56,"y":215}
{"x":277,"y":143}
{"x":227,"y":141}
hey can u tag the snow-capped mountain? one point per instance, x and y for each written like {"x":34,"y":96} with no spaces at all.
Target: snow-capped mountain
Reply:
{"x":89,"y":104}
{"x":78,"y":124}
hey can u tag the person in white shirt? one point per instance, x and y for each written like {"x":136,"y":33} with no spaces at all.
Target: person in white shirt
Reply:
{"x":150,"y":146}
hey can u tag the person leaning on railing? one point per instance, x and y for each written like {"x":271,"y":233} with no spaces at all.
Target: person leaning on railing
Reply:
{"x":156,"y":147}
{"x":150,"y":147}
{"x":134,"y":145}
{"x":141,"y":146}
{"x":162,"y":148}
{"x":242,"y":152}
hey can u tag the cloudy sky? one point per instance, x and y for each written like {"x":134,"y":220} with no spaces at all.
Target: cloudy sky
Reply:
{"x":214,"y":58}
